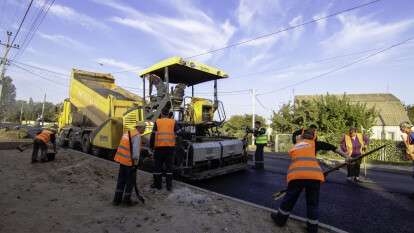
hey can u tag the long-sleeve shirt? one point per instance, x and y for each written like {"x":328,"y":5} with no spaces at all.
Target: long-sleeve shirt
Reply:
{"x":136,"y":147}
{"x":324,"y":146}
{"x":258,"y":132}
{"x":356,"y":145}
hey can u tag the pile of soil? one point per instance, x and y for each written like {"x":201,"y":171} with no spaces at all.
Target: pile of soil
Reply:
{"x":74,"y":194}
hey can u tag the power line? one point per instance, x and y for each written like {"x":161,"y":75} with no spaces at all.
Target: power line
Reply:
{"x":40,"y":76}
{"x":269,"y":34}
{"x":40,"y":68}
{"x":35,"y":27}
{"x":339,"y":68}
{"x":284,"y":29}
{"x":311,"y":62}
{"x":21,"y":23}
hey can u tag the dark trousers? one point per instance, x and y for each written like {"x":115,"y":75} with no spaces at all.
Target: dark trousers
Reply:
{"x":39,"y":144}
{"x":163,"y":157}
{"x":258,"y":156}
{"x":126,"y":181}
{"x":354,"y":168}
{"x":294,"y":190}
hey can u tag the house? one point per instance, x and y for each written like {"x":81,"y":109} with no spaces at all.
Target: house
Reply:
{"x":391,"y":112}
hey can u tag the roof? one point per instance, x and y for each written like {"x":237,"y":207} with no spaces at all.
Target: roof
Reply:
{"x":391,"y":110}
{"x":182,"y":71}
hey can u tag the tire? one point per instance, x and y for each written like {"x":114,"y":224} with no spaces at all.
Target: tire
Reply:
{"x":72,"y":143}
{"x":61,"y":140}
{"x":86,"y":144}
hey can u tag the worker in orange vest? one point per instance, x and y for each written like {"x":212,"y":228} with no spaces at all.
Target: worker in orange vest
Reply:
{"x":163,"y":144}
{"x":127,"y":155}
{"x":354,"y":144}
{"x":40,"y":141}
{"x":304,"y":172}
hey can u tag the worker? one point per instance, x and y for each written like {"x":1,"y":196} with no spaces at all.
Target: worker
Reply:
{"x":354,"y":144}
{"x":163,"y":143}
{"x":127,"y":155}
{"x":159,"y":85}
{"x":260,"y":141}
{"x":298,"y":132}
{"x":406,"y":128}
{"x":304,"y":173}
{"x":41,"y":141}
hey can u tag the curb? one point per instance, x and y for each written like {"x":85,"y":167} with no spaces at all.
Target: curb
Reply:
{"x":295,"y":217}
{"x":12,"y":144}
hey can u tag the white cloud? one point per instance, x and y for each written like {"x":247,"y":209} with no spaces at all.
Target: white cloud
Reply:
{"x":71,"y":15}
{"x":192,"y":31}
{"x":64,"y":41}
{"x":363,"y":32}
{"x":298,"y":31}
{"x":118,"y":64}
{"x":321,"y":24}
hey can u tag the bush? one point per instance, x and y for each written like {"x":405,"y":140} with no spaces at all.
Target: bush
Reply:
{"x":393,"y":152}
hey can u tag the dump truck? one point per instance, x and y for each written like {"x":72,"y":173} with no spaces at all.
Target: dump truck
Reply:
{"x":97,"y":113}
{"x":201,"y":150}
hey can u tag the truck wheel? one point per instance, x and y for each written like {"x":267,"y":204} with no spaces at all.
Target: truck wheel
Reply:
{"x":73,"y":144}
{"x":62,"y":142}
{"x":86,"y":144}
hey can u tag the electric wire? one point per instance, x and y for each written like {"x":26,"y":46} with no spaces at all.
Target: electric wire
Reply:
{"x":339,"y":68}
{"x":270,"y":34}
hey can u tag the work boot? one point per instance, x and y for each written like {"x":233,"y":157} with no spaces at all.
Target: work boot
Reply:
{"x":169,"y":179}
{"x":279,"y":219}
{"x":127,"y":200}
{"x":259,"y":166}
{"x":312,"y":228}
{"x":117,"y":199}
{"x":34,"y":161}
{"x":157,"y":182}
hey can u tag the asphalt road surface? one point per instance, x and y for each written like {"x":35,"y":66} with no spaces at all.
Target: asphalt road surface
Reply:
{"x":379,"y":204}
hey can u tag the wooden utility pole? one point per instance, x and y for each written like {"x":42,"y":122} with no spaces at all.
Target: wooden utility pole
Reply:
{"x":21,"y":114}
{"x":4,"y":61}
{"x":43,"y":110}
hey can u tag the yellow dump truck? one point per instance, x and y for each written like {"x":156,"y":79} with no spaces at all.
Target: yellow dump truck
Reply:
{"x":97,"y":113}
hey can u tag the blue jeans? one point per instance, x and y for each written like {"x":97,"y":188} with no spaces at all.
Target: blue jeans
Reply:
{"x":294,"y":190}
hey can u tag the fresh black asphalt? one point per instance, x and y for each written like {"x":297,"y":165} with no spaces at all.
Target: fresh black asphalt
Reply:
{"x":379,"y":204}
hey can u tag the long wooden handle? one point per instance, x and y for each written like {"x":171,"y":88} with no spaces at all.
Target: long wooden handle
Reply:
{"x":282,"y":193}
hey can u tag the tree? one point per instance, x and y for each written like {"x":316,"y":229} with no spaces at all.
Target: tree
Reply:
{"x":237,"y":124}
{"x":8,"y":97}
{"x":333,"y":115}
{"x":410,"y":111}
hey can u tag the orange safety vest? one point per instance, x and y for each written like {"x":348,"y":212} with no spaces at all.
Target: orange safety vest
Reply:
{"x":44,"y":136}
{"x":123,"y":153}
{"x":348,"y":143}
{"x":304,"y":165}
{"x":165,"y":135}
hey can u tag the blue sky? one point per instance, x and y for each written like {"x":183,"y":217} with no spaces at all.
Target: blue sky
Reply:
{"x":124,"y":35}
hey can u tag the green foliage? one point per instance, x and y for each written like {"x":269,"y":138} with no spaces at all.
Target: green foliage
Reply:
{"x":236,"y":125}
{"x":8,"y":97}
{"x":32,"y":111}
{"x":333,"y":115}
{"x":393,"y":152}
{"x":410,"y":111}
